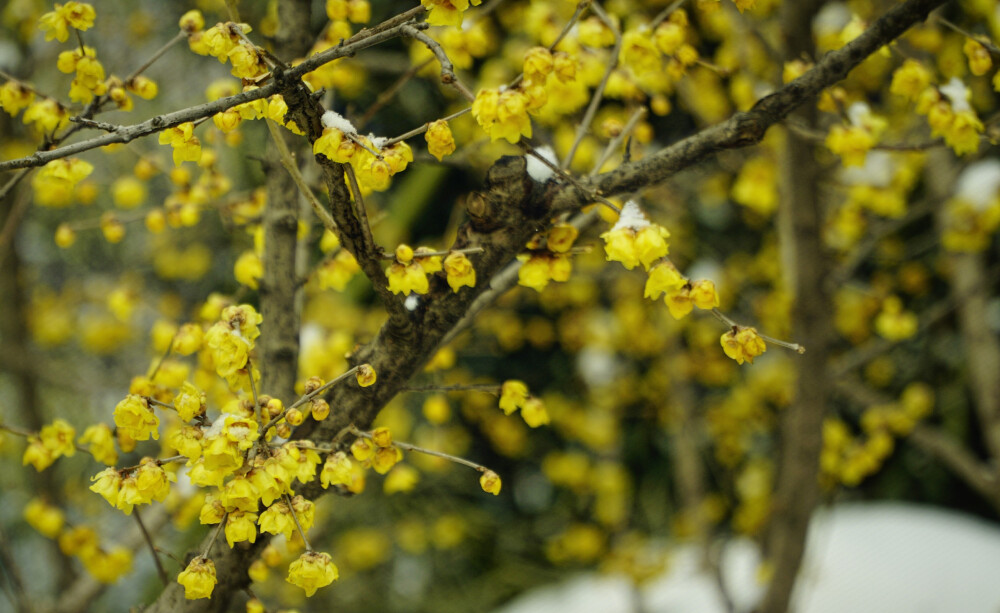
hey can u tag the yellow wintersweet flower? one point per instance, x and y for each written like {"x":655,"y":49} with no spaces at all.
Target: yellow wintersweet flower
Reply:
{"x":459,"y":270}
{"x":108,"y":483}
{"x":239,"y":495}
{"x":277,"y":519}
{"x":366,"y":375}
{"x":894,"y":323}
{"x":58,"y":438}
{"x":679,"y":302}
{"x":513,"y":395}
{"x":37,"y":454}
{"x":910,"y":80}
{"x":247,"y":63}
{"x":402,"y":478}
{"x":490,"y":482}
{"x":47,"y":115}
{"x":312,"y":570}
{"x":65,"y":236}
{"x":102,"y":443}
{"x":192,"y":21}
{"x":538,"y":64}
{"x":561,"y":237}
{"x":534,"y":413}
{"x":634,"y":240}
{"x":186,"y":146}
{"x":440,"y":141}
{"x":108,"y":567}
{"x":336,"y":470}
{"x":663,"y":278}
{"x":742,"y":344}
{"x":143,"y":86}
{"x":56,"y":23}
{"x":980,"y":61}
{"x":446,"y":13}
{"x":407,"y":278}
{"x":14,"y":96}
{"x":134,"y":417}
{"x":535,"y":271}
{"x":198,"y":578}
{"x":502,"y":114}
{"x":241,"y":526}
{"x":266,"y":486}
{"x":53,"y":185}
{"x":703,"y":294}
{"x":639,"y":53}
{"x":385,"y":458}
{"x":151,"y":481}
{"x":45,"y":518}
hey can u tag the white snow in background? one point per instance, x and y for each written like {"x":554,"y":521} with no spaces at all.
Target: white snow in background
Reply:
{"x":958,"y":93}
{"x":705,"y":268}
{"x":876,"y":171}
{"x":833,"y":17}
{"x":537,"y":170}
{"x":979,"y":183}
{"x":597,"y":366}
{"x":860,"y":558}
{"x":858,"y":112}
{"x":411,"y":302}
{"x":332,"y":119}
{"x":631,"y":217}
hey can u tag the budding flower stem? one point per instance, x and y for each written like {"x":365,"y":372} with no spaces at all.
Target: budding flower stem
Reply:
{"x":288,"y":501}
{"x":307,"y":397}
{"x":427,"y":254}
{"x":215,"y":536}
{"x":797,"y":348}
{"x":430,"y":452}
{"x":616,"y":142}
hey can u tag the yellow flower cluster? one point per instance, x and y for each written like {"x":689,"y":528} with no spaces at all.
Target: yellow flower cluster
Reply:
{"x":633,"y":240}
{"x":514,"y":395}
{"x":231,"y":340}
{"x":447,"y":12}
{"x":743,"y":344}
{"x":504,"y":114}
{"x":894,"y":322}
{"x":56,"y":23}
{"x":853,"y":142}
{"x":54,"y":440}
{"x":408,"y":273}
{"x":682,"y":295}
{"x":849,"y":460}
{"x":373,"y":163}
{"x":89,"y":80}
{"x":551,"y":262}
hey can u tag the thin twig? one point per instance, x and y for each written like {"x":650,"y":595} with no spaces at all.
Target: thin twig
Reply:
{"x":359,"y":206}
{"x":595,"y":100}
{"x":295,"y":516}
{"x":162,"y":572}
